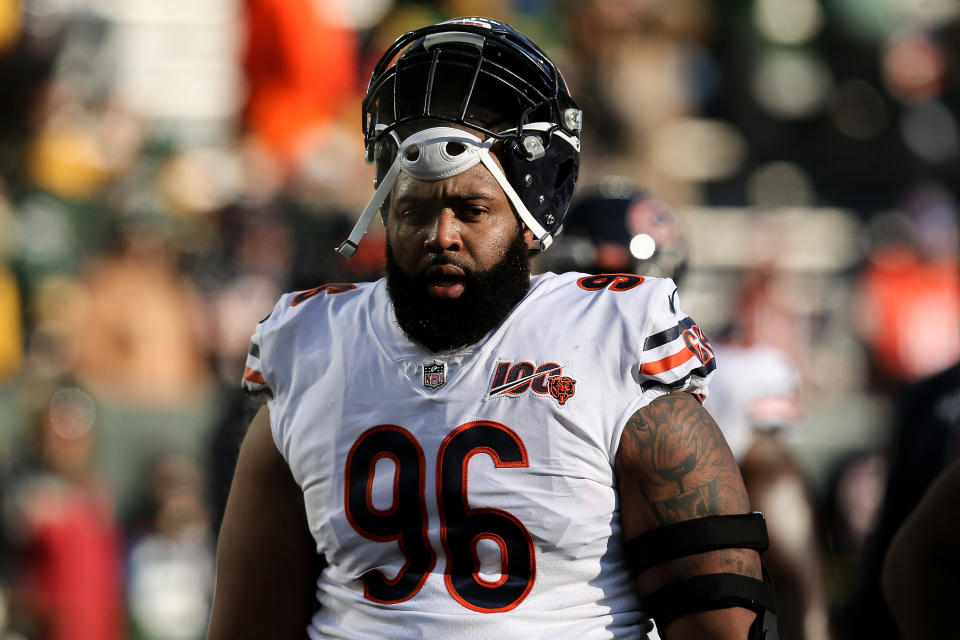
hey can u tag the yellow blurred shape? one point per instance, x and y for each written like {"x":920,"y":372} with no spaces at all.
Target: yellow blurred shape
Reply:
{"x":198,"y":181}
{"x":10,"y":21}
{"x":11,"y":329}
{"x":67,"y":160}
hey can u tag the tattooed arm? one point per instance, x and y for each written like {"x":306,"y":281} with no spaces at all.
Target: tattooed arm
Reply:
{"x":673,"y":464}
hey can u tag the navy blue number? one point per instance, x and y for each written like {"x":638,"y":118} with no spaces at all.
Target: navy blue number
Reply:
{"x":464,"y":526}
{"x":404,"y":521}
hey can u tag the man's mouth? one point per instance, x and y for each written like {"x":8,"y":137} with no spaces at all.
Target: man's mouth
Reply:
{"x":445,"y":281}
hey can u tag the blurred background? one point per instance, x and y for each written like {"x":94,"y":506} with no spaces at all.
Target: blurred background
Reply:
{"x":167,"y":169}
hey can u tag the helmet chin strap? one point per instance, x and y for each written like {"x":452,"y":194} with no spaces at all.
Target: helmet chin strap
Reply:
{"x":434,"y":154}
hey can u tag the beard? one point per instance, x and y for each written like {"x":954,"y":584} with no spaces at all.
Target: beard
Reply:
{"x":446,"y":324}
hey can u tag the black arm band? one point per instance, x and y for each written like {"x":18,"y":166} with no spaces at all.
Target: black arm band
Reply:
{"x":706,"y":592}
{"x":745,"y":531}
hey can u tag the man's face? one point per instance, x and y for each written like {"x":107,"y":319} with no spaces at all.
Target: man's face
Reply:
{"x":456,"y":258}
{"x":441,"y":230}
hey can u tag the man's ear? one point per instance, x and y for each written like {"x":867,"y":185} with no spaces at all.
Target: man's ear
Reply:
{"x":528,"y":237}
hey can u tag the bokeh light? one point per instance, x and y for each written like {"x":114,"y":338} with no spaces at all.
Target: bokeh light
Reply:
{"x":930,"y":131}
{"x":788,"y":21}
{"x":791,"y":83}
{"x":697,"y":149}
{"x":642,"y":246}
{"x":913,"y":65}
{"x":857,"y":109}
{"x":780,"y":184}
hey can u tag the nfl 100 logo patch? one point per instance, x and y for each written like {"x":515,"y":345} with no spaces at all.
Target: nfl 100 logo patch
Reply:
{"x":434,"y":375}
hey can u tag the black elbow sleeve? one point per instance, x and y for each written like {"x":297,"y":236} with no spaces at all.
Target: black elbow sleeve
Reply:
{"x":708,"y":591}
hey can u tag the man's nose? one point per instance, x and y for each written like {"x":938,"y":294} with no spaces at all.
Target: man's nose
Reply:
{"x":444,"y":235}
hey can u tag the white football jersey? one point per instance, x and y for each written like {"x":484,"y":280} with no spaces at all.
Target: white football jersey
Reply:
{"x":471,"y":494}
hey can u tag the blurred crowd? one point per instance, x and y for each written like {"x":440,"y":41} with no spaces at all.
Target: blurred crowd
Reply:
{"x":167,"y":169}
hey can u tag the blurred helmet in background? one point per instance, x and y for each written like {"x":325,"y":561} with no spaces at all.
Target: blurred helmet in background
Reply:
{"x":616,"y":227}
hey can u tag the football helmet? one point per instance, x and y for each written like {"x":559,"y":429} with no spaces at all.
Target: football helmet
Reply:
{"x":442,"y":98}
{"x":617,"y":227}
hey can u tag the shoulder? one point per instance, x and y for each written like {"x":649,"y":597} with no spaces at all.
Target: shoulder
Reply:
{"x":309,"y":307}
{"x":622,"y":290}
{"x":638,"y":317}
{"x":637,"y":307}
{"x":299,"y":318}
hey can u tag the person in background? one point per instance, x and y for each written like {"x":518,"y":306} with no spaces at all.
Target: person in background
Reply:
{"x":170,"y":561}
{"x":122,"y":349}
{"x":926,"y":441}
{"x":757,"y":403}
{"x":68,"y":580}
{"x":926,"y":410}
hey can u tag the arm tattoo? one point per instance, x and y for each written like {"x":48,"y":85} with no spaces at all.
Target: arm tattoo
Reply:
{"x":673,"y":464}
{"x":681,"y":465}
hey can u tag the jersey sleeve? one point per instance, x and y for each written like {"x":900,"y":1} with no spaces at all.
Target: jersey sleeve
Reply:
{"x":256,"y":380}
{"x":254,"y":383}
{"x":675,"y":353}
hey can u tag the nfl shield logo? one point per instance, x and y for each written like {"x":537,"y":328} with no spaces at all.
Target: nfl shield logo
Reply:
{"x":434,"y":375}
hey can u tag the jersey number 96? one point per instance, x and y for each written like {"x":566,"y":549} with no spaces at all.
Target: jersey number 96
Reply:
{"x":462,"y":527}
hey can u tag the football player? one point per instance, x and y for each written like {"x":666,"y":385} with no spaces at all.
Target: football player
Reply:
{"x":463,"y":450}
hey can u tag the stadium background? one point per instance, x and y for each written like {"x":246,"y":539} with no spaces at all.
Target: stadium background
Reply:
{"x":168,"y":168}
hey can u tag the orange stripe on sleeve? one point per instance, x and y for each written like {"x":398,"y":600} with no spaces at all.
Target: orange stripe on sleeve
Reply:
{"x":665,"y":364}
{"x":252,"y":375}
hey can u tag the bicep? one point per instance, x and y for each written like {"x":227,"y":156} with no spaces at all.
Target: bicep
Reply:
{"x":673,"y":465}
{"x":266,"y":558}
